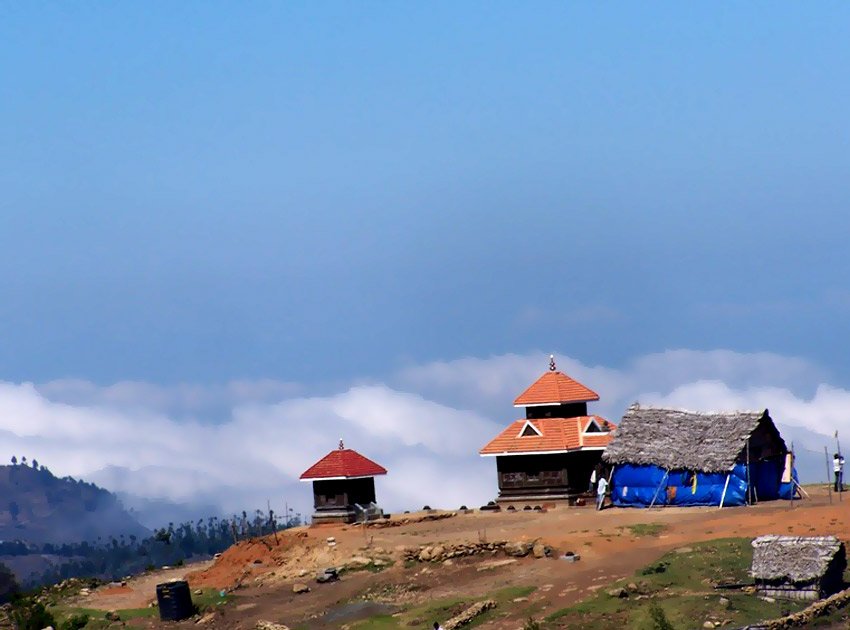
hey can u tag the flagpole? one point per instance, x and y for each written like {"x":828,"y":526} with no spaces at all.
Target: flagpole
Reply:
{"x":841,"y":467}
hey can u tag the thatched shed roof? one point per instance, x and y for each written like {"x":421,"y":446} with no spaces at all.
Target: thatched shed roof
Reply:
{"x":798,"y":559}
{"x":676,"y":439}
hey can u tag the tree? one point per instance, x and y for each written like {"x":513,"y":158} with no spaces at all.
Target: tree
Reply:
{"x":14,"y":510}
{"x":24,"y":460}
{"x":14,"y":461}
{"x":35,"y":464}
{"x":8,"y":584}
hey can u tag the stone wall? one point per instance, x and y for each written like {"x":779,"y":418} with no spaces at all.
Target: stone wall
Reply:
{"x":804,"y":618}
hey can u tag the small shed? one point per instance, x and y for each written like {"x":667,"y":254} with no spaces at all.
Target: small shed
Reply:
{"x":798,"y":567}
{"x":343,"y":486}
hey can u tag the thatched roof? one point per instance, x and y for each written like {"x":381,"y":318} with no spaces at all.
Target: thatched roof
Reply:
{"x":795,"y":558}
{"x":675,"y":439}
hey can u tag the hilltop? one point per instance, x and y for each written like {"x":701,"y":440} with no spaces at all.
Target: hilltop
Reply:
{"x":38,"y":507}
{"x":629,"y":568}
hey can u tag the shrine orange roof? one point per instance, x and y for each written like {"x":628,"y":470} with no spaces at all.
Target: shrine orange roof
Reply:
{"x":343,"y":463}
{"x":551,"y":435}
{"x":554,"y":388}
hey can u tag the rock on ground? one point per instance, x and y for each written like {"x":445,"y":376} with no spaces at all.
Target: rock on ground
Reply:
{"x":469,"y":614}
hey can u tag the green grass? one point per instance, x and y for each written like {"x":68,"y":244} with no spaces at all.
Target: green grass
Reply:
{"x":209,"y":598}
{"x":682,"y":586}
{"x":646,"y":529}
{"x":443,"y":609}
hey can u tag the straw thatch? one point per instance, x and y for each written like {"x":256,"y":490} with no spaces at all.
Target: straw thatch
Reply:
{"x":796,"y":559}
{"x":686,"y":440}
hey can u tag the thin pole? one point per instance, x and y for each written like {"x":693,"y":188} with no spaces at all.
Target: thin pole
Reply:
{"x":749,"y":493}
{"x":655,"y":496}
{"x":610,"y":476}
{"x":828,"y":480}
{"x":725,"y":486}
{"x":841,"y":478}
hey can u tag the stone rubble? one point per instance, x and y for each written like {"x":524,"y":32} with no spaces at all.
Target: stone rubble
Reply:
{"x":443,"y":552}
{"x":468,"y":615}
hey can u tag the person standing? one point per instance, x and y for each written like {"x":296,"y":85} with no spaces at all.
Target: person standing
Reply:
{"x":592,"y":485}
{"x":601,"y":489}
{"x":838,"y":468}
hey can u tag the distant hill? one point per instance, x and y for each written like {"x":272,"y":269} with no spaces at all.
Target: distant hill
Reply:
{"x":38,"y":507}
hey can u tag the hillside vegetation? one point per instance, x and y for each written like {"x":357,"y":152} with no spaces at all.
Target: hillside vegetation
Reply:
{"x":38,"y":507}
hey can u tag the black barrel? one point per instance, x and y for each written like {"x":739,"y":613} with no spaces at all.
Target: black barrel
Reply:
{"x":175,"y":600}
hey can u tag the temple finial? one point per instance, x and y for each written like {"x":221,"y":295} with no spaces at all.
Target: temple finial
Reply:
{"x":341,"y":445}
{"x":552,"y":367}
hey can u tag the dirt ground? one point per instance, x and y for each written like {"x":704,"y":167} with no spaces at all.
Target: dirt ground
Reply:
{"x":138,"y":592}
{"x":263,"y":573}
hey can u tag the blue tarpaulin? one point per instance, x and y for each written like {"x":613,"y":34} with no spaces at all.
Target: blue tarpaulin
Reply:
{"x":642,"y":486}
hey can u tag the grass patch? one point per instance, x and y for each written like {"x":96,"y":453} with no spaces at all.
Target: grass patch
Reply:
{"x":679,"y":587}
{"x":443,"y":609}
{"x":646,"y":529}
{"x":209,"y":598}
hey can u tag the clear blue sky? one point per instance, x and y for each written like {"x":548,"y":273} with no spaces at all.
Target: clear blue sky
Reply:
{"x":200,"y":191}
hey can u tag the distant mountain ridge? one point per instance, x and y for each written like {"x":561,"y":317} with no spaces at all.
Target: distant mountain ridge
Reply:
{"x":38,"y":507}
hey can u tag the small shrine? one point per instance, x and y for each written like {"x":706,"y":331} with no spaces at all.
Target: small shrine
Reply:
{"x":343,"y":486}
{"x":549,"y":455}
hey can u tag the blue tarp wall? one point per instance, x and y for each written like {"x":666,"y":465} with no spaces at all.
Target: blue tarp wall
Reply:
{"x":636,"y":486}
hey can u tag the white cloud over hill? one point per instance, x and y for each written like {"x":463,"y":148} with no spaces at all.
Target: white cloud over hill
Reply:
{"x":238,"y":444}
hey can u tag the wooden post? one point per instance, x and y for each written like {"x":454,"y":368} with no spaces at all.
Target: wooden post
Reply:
{"x":608,"y":488}
{"x":725,"y":487}
{"x":828,"y":480}
{"x":791,"y":475}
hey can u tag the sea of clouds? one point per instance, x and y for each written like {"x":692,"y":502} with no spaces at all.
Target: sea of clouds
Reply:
{"x":238,"y":445}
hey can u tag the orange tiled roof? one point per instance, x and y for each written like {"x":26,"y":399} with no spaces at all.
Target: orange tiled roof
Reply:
{"x":556,"y":435}
{"x":553,"y":388}
{"x":343,"y":462}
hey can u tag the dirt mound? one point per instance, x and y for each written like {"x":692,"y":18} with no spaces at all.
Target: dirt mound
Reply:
{"x":252,"y":558}
{"x":118,"y":589}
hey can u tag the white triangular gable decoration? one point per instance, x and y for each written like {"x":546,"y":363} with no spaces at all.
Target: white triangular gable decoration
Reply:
{"x":529,"y":430}
{"x":594,"y":423}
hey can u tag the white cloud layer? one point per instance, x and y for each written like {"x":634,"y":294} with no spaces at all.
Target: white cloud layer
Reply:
{"x":242,"y":443}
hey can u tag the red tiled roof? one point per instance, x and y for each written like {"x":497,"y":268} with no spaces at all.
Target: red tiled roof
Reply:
{"x":556,"y":434}
{"x":343,"y":462}
{"x":554,"y":388}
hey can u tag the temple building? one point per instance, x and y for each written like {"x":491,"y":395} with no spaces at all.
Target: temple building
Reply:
{"x":548,"y":456}
{"x":343,"y":486}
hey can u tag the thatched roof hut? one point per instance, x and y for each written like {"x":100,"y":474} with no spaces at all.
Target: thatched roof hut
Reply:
{"x":797,"y":566}
{"x":686,"y":440}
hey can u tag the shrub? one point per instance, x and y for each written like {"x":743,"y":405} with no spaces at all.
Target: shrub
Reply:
{"x":75,"y":622}
{"x":659,"y":619}
{"x":531,"y":624}
{"x":28,"y":614}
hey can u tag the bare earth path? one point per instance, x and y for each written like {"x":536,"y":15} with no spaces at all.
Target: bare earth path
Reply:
{"x":139,"y":592}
